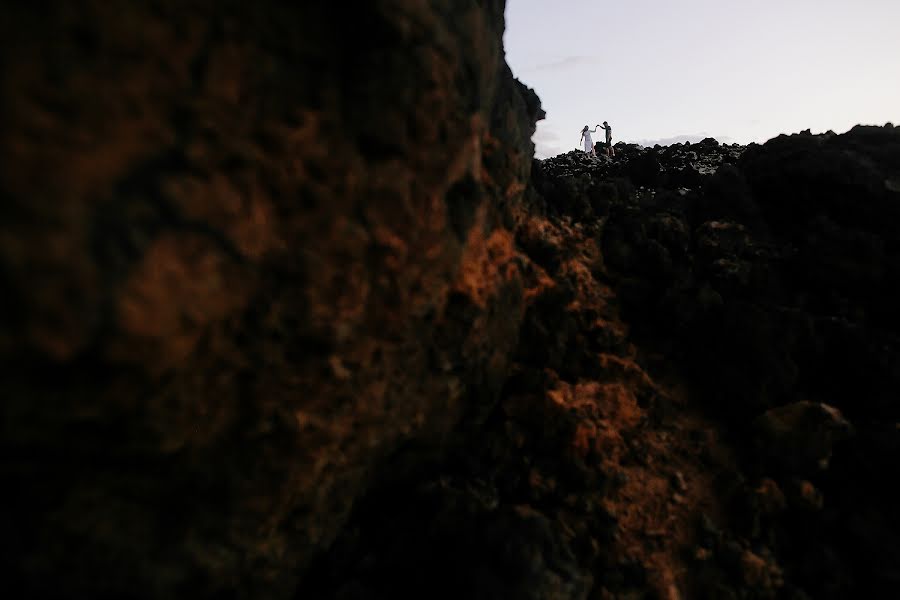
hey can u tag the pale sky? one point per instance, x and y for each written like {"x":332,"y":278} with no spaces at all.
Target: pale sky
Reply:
{"x":737,"y":70}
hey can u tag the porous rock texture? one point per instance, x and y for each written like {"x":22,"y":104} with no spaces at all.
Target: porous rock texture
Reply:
{"x":784,"y":302}
{"x":289,"y":312}
{"x":770,"y":287}
{"x":249,"y":251}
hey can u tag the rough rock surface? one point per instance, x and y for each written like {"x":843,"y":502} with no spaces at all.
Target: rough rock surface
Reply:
{"x":771,"y":288}
{"x":584,"y":482}
{"x":674,"y":418}
{"x":288,"y":317}
{"x":243,"y":263}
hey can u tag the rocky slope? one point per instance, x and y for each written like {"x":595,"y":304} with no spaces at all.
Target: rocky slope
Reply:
{"x":288,"y":317}
{"x":688,"y":413}
{"x":772,"y":289}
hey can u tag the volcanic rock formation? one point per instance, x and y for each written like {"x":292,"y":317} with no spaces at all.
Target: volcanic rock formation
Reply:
{"x":676,"y":419}
{"x":285,"y":316}
{"x":772,"y":288}
{"x":244,"y":262}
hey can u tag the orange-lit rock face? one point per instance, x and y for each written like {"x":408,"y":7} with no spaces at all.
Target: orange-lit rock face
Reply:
{"x":257,"y":247}
{"x":598,"y":473}
{"x":181,"y":286}
{"x":286,"y":314}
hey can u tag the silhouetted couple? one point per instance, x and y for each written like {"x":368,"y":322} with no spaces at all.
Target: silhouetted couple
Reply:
{"x":589,"y":143}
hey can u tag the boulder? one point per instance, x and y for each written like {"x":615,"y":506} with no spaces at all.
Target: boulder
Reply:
{"x":799,"y":437}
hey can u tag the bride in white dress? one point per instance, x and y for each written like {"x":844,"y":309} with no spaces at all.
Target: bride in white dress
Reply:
{"x":588,"y":142}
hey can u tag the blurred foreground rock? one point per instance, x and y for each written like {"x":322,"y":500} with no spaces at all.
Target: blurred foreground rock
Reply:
{"x":248,"y":251}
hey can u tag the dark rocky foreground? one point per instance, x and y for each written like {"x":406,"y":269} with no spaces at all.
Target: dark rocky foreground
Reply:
{"x":769,"y":287}
{"x":287,"y":317}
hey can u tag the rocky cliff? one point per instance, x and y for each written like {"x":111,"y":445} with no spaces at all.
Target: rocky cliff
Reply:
{"x":290,"y":312}
{"x":249,"y":252}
